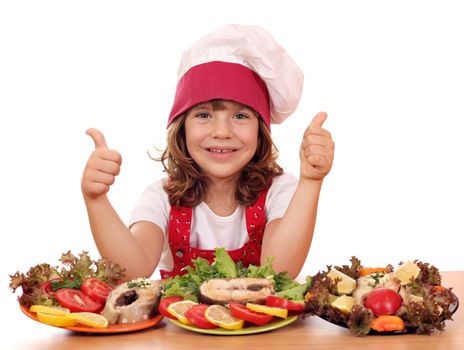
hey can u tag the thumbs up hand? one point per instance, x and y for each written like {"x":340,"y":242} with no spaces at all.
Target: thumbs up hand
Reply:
{"x":101,"y":169}
{"x":317,"y":150}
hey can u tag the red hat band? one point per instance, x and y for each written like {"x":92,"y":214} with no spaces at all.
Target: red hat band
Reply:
{"x":221,"y":80}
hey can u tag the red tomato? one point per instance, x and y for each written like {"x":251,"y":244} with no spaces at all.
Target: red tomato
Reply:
{"x":383,"y":301}
{"x":242,"y":312}
{"x":96,"y":289}
{"x":196,"y":315}
{"x":76,"y":301}
{"x":275,"y":301}
{"x":164,"y":303}
{"x":46,"y":287}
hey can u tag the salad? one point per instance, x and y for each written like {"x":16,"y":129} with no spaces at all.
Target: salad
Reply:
{"x":405,"y":299}
{"x":74,"y":293}
{"x":259,"y":294}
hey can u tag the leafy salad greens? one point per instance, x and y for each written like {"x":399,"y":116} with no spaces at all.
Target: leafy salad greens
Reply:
{"x":73,"y":271}
{"x":187,"y":285}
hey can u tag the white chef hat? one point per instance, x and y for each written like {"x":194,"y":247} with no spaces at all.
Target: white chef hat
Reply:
{"x":241,"y":63}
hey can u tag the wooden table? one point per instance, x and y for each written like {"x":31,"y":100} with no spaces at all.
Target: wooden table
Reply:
{"x":311,"y":333}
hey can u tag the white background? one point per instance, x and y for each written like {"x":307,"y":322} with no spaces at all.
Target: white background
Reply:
{"x":389,"y":74}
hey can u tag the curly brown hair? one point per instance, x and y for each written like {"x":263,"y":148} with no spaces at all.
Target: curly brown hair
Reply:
{"x":187,"y":185}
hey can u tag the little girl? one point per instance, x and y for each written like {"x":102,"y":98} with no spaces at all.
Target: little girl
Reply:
{"x":223,"y":186}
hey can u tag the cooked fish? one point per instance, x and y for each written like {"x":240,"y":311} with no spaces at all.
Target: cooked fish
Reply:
{"x":133,"y":301}
{"x":242,"y":290}
{"x":375,"y":280}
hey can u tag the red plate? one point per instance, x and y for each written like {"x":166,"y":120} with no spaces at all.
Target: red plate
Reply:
{"x":117,"y":328}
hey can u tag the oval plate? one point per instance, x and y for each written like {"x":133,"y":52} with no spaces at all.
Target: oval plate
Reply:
{"x":452,"y":307}
{"x":247,"y":330}
{"x":116,"y":328}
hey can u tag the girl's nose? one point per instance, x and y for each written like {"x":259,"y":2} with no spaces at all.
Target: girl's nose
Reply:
{"x":221,"y":127}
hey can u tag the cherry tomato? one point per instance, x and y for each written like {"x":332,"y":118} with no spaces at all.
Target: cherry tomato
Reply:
{"x":96,"y":289}
{"x":242,"y":312}
{"x":383,"y":301}
{"x":275,"y":301}
{"x":76,"y":301}
{"x":196,"y":315}
{"x":163,"y":306}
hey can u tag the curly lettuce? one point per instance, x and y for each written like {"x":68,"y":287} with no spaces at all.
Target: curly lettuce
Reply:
{"x":187,"y":285}
{"x":74,"y":269}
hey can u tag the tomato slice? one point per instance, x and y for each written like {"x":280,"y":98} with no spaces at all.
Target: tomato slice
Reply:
{"x":96,"y":289}
{"x":164,"y":303}
{"x":46,"y":287}
{"x":196,"y":315}
{"x":242,"y":312}
{"x":76,"y":301}
{"x":275,"y":301}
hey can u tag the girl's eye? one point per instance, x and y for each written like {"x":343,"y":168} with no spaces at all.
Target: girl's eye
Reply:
{"x":202,"y":115}
{"x":240,"y":116}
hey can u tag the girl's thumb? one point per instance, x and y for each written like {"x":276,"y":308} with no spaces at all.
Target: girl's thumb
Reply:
{"x":98,"y":138}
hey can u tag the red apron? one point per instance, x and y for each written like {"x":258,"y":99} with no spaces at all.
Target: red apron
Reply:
{"x":179,"y":238}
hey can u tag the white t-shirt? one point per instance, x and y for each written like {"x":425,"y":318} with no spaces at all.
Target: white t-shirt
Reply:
{"x":209,"y":230}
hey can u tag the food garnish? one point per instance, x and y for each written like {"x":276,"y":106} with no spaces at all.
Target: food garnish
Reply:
{"x":56,"y":320}
{"x":41,"y":281}
{"x":242,"y":312}
{"x":89,"y":319}
{"x":268,"y":310}
{"x":196,"y":316}
{"x":222,"y":317}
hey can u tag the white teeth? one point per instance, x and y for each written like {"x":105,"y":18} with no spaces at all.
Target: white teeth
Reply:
{"x":216,"y":150}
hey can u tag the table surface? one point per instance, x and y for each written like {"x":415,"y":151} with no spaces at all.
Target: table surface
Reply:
{"x":312,"y":332}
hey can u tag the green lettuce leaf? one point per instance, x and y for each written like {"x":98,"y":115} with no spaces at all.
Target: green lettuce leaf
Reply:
{"x":224,"y":264}
{"x":296,"y":293}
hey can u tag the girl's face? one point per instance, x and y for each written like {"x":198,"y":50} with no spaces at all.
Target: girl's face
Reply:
{"x":221,"y":142}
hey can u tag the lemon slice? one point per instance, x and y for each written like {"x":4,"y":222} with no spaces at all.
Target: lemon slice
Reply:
{"x":89,"y":319}
{"x":345,"y":285}
{"x":406,"y":272}
{"x":179,"y":309}
{"x":269,"y":310}
{"x":51,"y":310}
{"x":343,"y":303}
{"x":56,"y":320}
{"x":222,"y":317}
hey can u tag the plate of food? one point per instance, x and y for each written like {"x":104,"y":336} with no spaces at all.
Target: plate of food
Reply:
{"x":226,"y":298}
{"x":408,"y":298}
{"x":88,"y":296}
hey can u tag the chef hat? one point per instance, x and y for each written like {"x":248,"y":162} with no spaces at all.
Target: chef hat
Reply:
{"x":241,"y":63}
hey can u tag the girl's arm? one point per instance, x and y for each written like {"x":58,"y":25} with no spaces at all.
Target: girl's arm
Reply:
{"x":137,"y":250}
{"x":288,"y":239}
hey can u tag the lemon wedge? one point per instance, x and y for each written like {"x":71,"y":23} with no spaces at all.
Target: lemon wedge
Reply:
{"x":51,"y":310}
{"x":56,"y":320}
{"x":89,"y":319}
{"x":343,"y":303}
{"x":407,"y":272}
{"x":269,"y":310}
{"x":345,"y":285}
{"x":180,"y":308}
{"x":222,"y":317}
